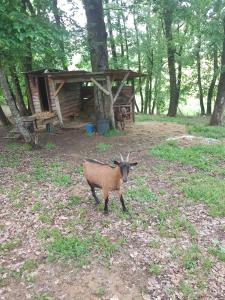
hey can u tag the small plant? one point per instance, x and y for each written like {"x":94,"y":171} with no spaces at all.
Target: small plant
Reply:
{"x":154,"y":269}
{"x":102,"y":147}
{"x":50,"y":146}
{"x":41,"y":296}
{"x":154,"y":244}
{"x":112,"y":132}
{"x":36,"y":207}
{"x":10,"y":245}
{"x":218,"y":251}
{"x":73,"y":200}
{"x":78,"y":170}
{"x":141,"y":193}
{"x":191,"y":257}
{"x":61,"y":179}
{"x":187,"y":290}
{"x":45,"y":218}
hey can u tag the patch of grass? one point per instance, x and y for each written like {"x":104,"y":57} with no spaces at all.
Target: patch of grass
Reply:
{"x":102,"y":147}
{"x":207,"y":189}
{"x":154,"y":244}
{"x":180,"y":224}
{"x":154,"y":269}
{"x":179,"y":119}
{"x":80,"y":248}
{"x":187,"y":290}
{"x":78,"y":170}
{"x":41,"y":296}
{"x":3,"y":275}
{"x":45,"y":218}
{"x":218,"y":251}
{"x":9,"y":160}
{"x":45,"y":233}
{"x":10,"y":245}
{"x":36,"y":207}
{"x":215,"y":132}
{"x":141,"y":193}
{"x":50,"y":146}
{"x":29,"y":266}
{"x":112,"y":132}
{"x":191,"y":257}
{"x":73,"y":200}
{"x":18,"y":147}
{"x":61,"y":179}
{"x":203,"y":157}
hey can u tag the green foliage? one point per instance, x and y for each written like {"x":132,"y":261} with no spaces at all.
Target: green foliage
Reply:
{"x":218,"y":251}
{"x":10,"y":245}
{"x":207,"y":189}
{"x":154,"y":269}
{"x":112,"y":133}
{"x":208,"y":131}
{"x":102,"y":147}
{"x":191,"y":257}
{"x":36,"y":207}
{"x":74,"y":200}
{"x":199,"y":156}
{"x":50,"y":146}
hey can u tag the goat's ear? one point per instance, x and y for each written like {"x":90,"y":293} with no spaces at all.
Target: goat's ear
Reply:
{"x":133,"y":164}
{"x":116,"y":162}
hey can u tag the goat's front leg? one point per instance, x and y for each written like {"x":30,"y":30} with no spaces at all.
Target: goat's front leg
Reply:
{"x":106,"y":209}
{"x":123,"y":204}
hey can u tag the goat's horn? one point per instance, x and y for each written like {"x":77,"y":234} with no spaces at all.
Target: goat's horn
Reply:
{"x":128,"y":156}
{"x":122,"y":159}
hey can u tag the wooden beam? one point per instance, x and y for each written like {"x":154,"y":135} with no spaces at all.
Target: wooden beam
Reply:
{"x":59,"y":88}
{"x":57,"y":105}
{"x":100,"y":87}
{"x":109,"y":87}
{"x":120,"y":87}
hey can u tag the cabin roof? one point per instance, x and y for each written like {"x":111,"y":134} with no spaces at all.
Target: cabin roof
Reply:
{"x":83,"y":76}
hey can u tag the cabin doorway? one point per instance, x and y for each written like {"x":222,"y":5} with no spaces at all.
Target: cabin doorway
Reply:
{"x":43,"y":94}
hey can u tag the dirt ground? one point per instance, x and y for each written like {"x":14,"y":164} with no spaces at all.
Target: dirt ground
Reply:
{"x":125,"y":273}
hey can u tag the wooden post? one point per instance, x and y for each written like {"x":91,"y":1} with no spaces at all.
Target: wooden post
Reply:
{"x":109,"y":87}
{"x":133,"y":100}
{"x":120,"y":87}
{"x":100,"y":87}
{"x":58,"y":109}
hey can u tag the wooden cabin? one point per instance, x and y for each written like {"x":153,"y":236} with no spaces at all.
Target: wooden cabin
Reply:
{"x":71,"y":93}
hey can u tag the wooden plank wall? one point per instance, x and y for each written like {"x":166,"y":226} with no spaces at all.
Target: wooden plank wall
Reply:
{"x":70,"y":99}
{"x":35,"y":94}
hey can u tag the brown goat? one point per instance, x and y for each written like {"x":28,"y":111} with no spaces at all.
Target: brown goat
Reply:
{"x":107,"y":178}
{"x":120,"y":114}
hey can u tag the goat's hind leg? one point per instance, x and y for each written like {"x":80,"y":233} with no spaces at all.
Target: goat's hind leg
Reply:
{"x":97,"y":201}
{"x":123,"y":204}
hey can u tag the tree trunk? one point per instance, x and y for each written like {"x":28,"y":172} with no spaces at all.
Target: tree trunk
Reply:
{"x":218,"y":111}
{"x":111,"y":37}
{"x":59,"y":25}
{"x":198,"y":58}
{"x":146,"y":102}
{"x":167,"y":15}
{"x":126,"y":40}
{"x":15,"y":114}
{"x":213,"y":81}
{"x":5,"y":121}
{"x":139,"y":61}
{"x":18,"y":93}
{"x":120,"y":36}
{"x":99,"y":56}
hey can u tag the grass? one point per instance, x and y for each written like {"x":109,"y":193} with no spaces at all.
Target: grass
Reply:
{"x":78,"y":170}
{"x":218,"y":251}
{"x":112,"y":133}
{"x":50,"y":146}
{"x":10,"y":245}
{"x":80,"y":248}
{"x":73,"y":200}
{"x":191,"y":256}
{"x":41,"y":296}
{"x":154,"y":244}
{"x":36,"y":207}
{"x":154,"y":269}
{"x":215,"y":132}
{"x":140,"y":192}
{"x":206,"y":189}
{"x":203,"y":157}
{"x":102,"y":147}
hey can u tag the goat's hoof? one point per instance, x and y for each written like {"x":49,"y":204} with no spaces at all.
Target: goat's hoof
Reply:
{"x":106,"y":212}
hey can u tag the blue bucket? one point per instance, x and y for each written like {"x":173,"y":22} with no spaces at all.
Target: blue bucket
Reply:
{"x":102,"y":126}
{"x":89,"y":127}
